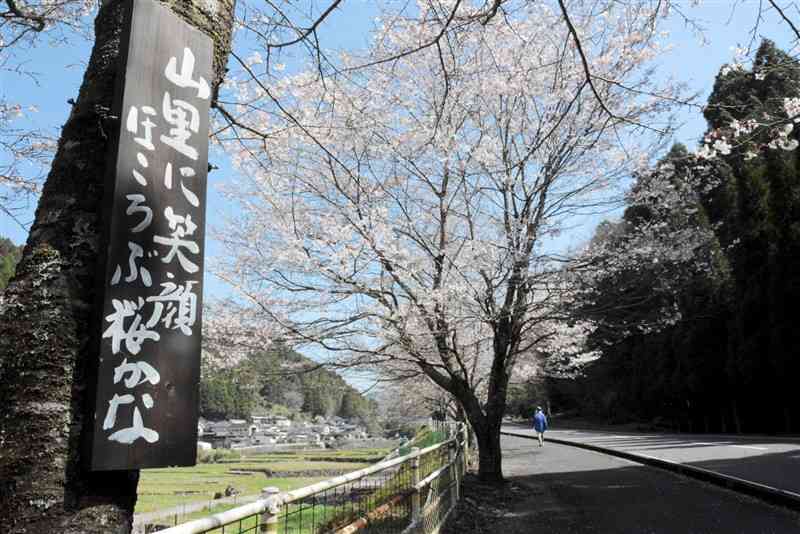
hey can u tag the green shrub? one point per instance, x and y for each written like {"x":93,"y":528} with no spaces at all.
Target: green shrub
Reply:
{"x":425,"y":437}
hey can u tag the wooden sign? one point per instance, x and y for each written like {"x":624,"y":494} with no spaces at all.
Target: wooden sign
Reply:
{"x":145,"y":412}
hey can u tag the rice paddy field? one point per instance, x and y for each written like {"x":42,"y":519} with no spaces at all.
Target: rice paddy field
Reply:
{"x":166,"y":488}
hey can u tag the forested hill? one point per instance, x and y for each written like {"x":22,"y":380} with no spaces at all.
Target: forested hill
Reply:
{"x":279,"y":380}
{"x":9,"y":256}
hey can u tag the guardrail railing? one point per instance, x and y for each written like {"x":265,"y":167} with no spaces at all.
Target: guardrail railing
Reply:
{"x":410,"y":494}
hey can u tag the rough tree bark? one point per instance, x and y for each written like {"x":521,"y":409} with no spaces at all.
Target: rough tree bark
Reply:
{"x":485,"y":420}
{"x":490,"y":454}
{"x":47,"y":311}
{"x":486,"y":425}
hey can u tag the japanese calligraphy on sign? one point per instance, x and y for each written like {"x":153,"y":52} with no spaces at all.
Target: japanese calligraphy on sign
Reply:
{"x":145,"y":412}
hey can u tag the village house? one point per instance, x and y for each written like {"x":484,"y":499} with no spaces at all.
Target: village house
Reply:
{"x":265,"y":430}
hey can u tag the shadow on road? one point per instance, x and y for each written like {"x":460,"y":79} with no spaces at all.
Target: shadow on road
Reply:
{"x":577,"y":491}
{"x":780,"y":470}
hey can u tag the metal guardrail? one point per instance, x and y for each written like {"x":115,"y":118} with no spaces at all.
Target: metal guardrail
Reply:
{"x":410,"y":494}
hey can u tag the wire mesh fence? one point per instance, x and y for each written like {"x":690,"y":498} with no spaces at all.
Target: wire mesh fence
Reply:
{"x":381,"y":500}
{"x":412,"y":493}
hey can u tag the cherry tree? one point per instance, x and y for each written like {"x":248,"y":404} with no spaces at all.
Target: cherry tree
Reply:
{"x":21,"y":149}
{"x":664,"y":238}
{"x":25,"y":151}
{"x":397,"y":404}
{"x":47,"y":312}
{"x":24,"y":23}
{"x":396,"y":215}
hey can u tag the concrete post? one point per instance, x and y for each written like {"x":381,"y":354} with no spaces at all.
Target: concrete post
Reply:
{"x":415,"y":496}
{"x":269,"y":517}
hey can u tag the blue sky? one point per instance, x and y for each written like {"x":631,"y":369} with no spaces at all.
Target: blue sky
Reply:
{"x":60,"y":69}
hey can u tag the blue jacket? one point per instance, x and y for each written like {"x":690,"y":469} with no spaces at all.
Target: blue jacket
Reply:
{"x":539,"y":422}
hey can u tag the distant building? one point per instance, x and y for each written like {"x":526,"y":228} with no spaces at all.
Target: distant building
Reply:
{"x":265,"y":429}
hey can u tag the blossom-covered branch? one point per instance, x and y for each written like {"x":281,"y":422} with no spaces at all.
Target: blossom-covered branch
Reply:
{"x":396,"y":216}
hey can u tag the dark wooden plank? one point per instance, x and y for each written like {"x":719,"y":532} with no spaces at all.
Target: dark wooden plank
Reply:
{"x":149,"y":361}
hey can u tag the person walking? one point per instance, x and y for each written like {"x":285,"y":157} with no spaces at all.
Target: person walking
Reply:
{"x":539,"y":424}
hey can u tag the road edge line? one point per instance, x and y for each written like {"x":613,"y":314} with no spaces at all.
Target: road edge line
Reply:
{"x":770,"y":494}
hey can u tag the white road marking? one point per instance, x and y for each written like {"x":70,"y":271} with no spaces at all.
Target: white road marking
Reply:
{"x":712,"y":444}
{"x":696,"y":443}
{"x":666,"y":441}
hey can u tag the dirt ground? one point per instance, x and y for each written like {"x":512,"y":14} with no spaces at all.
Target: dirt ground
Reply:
{"x":489,"y":508}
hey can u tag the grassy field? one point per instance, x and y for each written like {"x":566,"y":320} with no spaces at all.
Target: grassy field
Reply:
{"x":306,"y":519}
{"x":170,"y":487}
{"x":304,"y":522}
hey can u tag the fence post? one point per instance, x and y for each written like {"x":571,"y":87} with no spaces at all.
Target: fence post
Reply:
{"x":465,"y":449}
{"x":269,"y":517}
{"x":452,"y":459}
{"x":415,"y":495}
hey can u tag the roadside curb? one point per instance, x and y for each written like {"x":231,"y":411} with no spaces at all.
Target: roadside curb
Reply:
{"x":772,"y":495}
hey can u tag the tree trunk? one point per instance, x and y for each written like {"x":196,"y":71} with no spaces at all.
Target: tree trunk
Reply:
{"x":47,"y":316}
{"x":486,"y":427}
{"x":490,"y":455}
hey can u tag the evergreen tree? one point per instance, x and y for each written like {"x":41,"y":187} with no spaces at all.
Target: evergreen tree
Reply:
{"x":283,"y":380}
{"x":728,"y":364}
{"x":757,"y":216}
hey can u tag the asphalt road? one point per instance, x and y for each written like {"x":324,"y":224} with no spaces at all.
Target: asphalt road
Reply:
{"x":766,"y":460}
{"x":577,"y":491}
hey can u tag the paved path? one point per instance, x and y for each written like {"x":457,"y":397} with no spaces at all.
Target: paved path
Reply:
{"x":766,"y":460}
{"x":579,"y":491}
